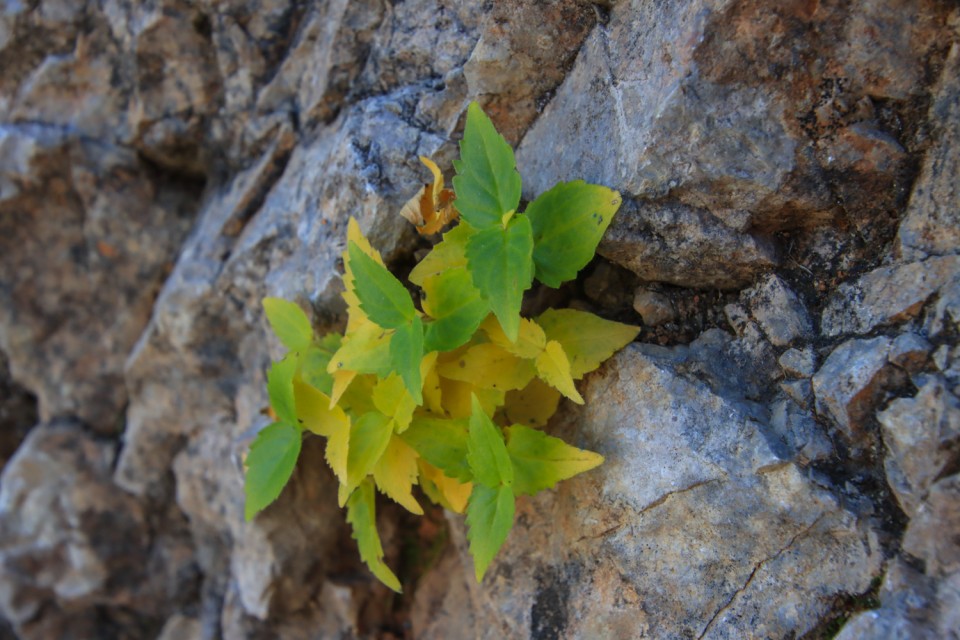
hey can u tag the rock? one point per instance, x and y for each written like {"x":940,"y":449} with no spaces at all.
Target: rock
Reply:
{"x":778,"y":311}
{"x":614,"y":552}
{"x":801,"y":439}
{"x":800,"y":391}
{"x":909,"y":351}
{"x":947,"y":360}
{"x":932,"y":222}
{"x":887,"y":295}
{"x":908,"y":607}
{"x":685,"y":246}
{"x":925,"y":538}
{"x":18,"y":413}
{"x":85,"y":273}
{"x":654,"y":308}
{"x":850,"y":382}
{"x":922,"y":436}
{"x":69,"y":539}
{"x":799,"y":363}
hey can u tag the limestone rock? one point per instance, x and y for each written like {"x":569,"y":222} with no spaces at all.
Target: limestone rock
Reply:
{"x":925,"y":539}
{"x":932,"y":223}
{"x":778,"y":311}
{"x":799,"y":363}
{"x":887,"y":295}
{"x":850,"y":382}
{"x":691,"y":518}
{"x":922,"y":436}
{"x":655,"y":308}
{"x":683,"y":245}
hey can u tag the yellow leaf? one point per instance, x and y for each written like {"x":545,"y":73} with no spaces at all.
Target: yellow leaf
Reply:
{"x":488,"y":366}
{"x":365,"y":351}
{"x":448,"y":492}
{"x":315,"y":411}
{"x":391,"y":398}
{"x":396,"y":473}
{"x":554,"y":368}
{"x":432,"y":396}
{"x":356,"y":317}
{"x":338,"y":445}
{"x":530,"y":341}
{"x":450,"y":253}
{"x":587,"y":339}
{"x":341,"y":380}
{"x":533,"y":405}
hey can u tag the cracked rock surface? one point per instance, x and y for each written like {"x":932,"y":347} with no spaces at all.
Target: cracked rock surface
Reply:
{"x":782,"y":444}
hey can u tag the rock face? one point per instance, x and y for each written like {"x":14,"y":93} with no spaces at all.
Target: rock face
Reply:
{"x":781,"y":454}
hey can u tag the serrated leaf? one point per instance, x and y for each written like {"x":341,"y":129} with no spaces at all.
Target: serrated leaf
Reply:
{"x":490,"y":514}
{"x":362,"y":516}
{"x":289,"y":323}
{"x":358,"y":397}
{"x":355,"y":315}
{"x":280,"y":389}
{"x":315,"y":413}
{"x":314,"y":361}
{"x":442,"y":442}
{"x":533,"y":405}
{"x":442,"y":489}
{"x":568,"y":222}
{"x":369,"y":438}
{"x":486,"y":453}
{"x":587,"y":339}
{"x":456,"y":306}
{"x":450,"y":253}
{"x":432,"y":394}
{"x":366,"y":350}
{"x":406,"y":355}
{"x":500,"y":261}
{"x":530,"y":341}
{"x":487,"y":183}
{"x":382,"y":297}
{"x":396,"y":472}
{"x":541,"y":461}
{"x":392,"y":400}
{"x":488,"y":366}
{"x":338,"y":448}
{"x":554,"y":368}
{"x":270,"y":463}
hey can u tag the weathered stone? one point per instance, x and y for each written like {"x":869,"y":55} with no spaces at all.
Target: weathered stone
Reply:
{"x":799,"y":363}
{"x":682,"y":245}
{"x":802,"y":439}
{"x":800,"y":391}
{"x":922,"y":435}
{"x":69,"y":539}
{"x":910,"y":352}
{"x":908,"y":603}
{"x":655,"y":308}
{"x":778,"y":311}
{"x":887,"y":295}
{"x":849,"y":383}
{"x":932,"y":223}
{"x":614,"y":552}
{"x":926,"y":538}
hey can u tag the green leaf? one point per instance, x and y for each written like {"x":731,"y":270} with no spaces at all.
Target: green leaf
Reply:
{"x":289,"y":322}
{"x":270,"y":463}
{"x":382,"y":297}
{"x":442,"y":442}
{"x":369,"y":438}
{"x":314,"y":361}
{"x":280,"y":389}
{"x":450,"y":253}
{"x":487,"y":183}
{"x":362,"y":516}
{"x":406,"y":352}
{"x":541,"y":461}
{"x":457,"y":308}
{"x":587,"y":339}
{"x":486,"y":453}
{"x":489,"y":520}
{"x":500,"y":261}
{"x":568,"y":222}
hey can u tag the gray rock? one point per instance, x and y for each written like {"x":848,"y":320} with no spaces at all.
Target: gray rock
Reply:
{"x":887,"y":295}
{"x":850,"y":381}
{"x":631,"y":561}
{"x":802,"y":440}
{"x":908,"y":608}
{"x":778,"y":311}
{"x":932,"y":223}
{"x":799,"y":363}
{"x":654,"y":308}
{"x":925,"y":538}
{"x":922,"y":436}
{"x":800,"y":391}
{"x":682,"y":245}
